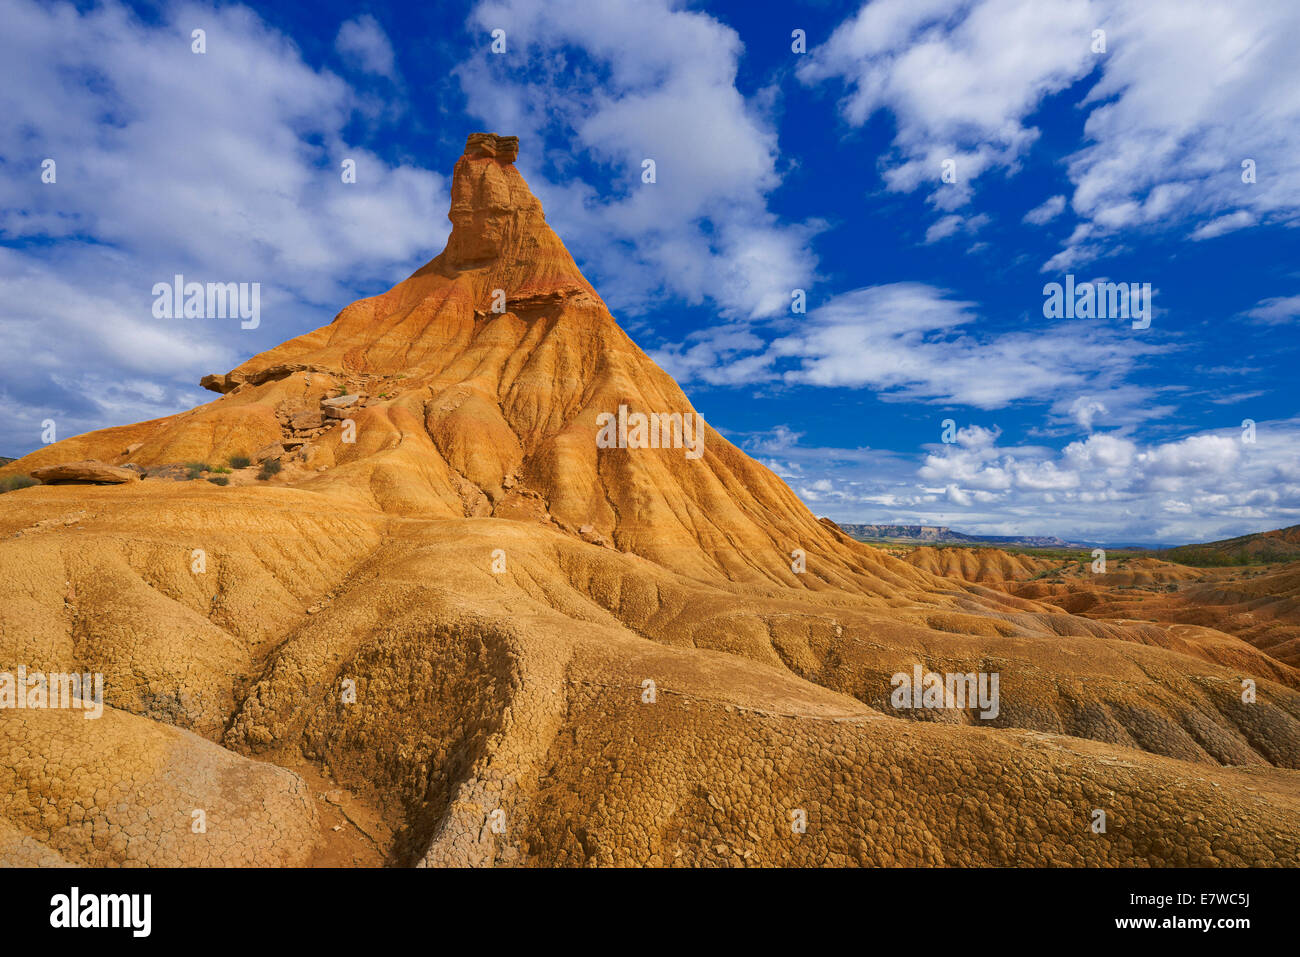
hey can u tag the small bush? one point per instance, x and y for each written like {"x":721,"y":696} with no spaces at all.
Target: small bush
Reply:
{"x":219,"y":470}
{"x":240,"y":461}
{"x":12,"y":483}
{"x":269,"y":467}
{"x":219,"y":480}
{"x":196,"y":469}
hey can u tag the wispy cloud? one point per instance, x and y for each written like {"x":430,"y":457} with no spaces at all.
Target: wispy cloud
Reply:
{"x":1191,"y":122}
{"x":914,"y":342}
{"x":1046,"y":211}
{"x":1275,"y":311}
{"x":961,"y":82}
{"x":363,"y":42}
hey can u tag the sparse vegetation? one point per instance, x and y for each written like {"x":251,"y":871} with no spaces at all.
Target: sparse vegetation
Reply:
{"x":195,"y":470}
{"x":1052,"y":554}
{"x":1201,"y":556}
{"x":1261,"y":548}
{"x":269,"y":467}
{"x":219,"y":480}
{"x":240,"y":461}
{"x":219,"y":470}
{"x":12,"y":483}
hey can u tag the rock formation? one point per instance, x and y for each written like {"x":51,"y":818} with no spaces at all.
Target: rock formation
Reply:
{"x":432,"y":619}
{"x":87,"y":471}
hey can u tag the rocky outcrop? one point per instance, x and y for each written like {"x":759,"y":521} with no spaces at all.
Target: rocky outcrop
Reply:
{"x":87,"y":470}
{"x":219,"y":382}
{"x":272,"y":451}
{"x":504,"y":149}
{"x":306,"y":419}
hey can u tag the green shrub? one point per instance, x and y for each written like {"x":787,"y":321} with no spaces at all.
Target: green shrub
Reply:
{"x":240,"y":461}
{"x":269,"y":467}
{"x":196,"y":469}
{"x":219,"y":480}
{"x":12,"y":483}
{"x":219,"y":470}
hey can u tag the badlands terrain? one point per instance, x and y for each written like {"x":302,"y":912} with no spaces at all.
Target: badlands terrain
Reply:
{"x":386,"y":601}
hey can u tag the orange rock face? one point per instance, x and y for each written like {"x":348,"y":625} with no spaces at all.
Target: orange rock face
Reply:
{"x":430,"y":591}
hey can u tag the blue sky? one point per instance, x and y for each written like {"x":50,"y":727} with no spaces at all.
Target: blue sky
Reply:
{"x":776,"y":170}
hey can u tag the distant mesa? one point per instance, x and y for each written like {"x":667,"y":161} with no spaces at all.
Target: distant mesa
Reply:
{"x":923,"y":533}
{"x":943,"y":535}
